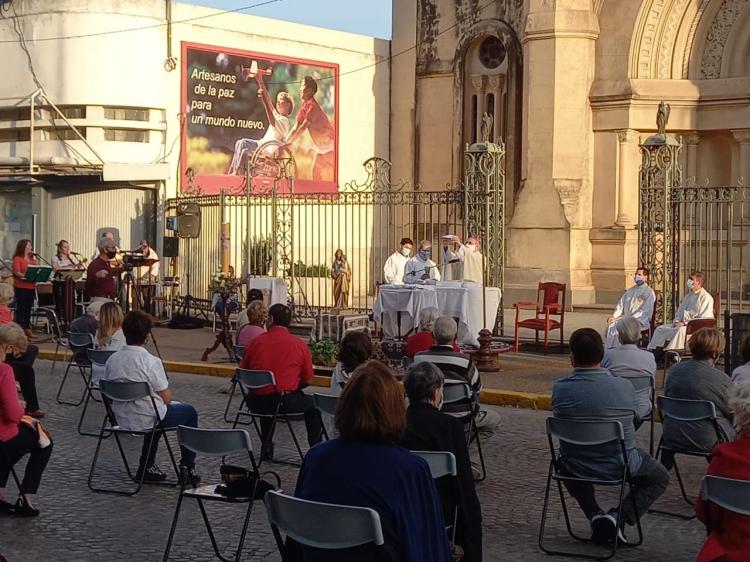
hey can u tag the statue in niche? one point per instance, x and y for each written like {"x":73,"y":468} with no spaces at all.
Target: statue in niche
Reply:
{"x":662,"y":118}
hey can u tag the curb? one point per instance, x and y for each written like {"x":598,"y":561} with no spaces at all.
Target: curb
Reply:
{"x":490,"y":396}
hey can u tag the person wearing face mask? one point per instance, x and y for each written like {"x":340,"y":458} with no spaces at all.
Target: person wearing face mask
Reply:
{"x":469,"y":255}
{"x":101,"y":275}
{"x":637,"y":302}
{"x":698,"y":379}
{"x":698,"y":303}
{"x":421,"y":269}
{"x":393,"y":270}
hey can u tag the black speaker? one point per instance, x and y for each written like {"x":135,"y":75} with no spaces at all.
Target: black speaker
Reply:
{"x":171,"y":247}
{"x":188,"y":220}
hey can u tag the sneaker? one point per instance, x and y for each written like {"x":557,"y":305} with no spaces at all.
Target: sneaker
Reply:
{"x":621,"y":539}
{"x":188,"y":477}
{"x":152,"y":474}
{"x":603,"y":527}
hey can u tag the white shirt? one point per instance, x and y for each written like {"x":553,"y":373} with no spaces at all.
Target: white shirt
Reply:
{"x":393,"y":270}
{"x":695,"y":305}
{"x":115,"y":343}
{"x":59,"y":263}
{"x":416,"y":267}
{"x":637,"y":302}
{"x":143,"y":272}
{"x":135,"y":364}
{"x":277,"y":132}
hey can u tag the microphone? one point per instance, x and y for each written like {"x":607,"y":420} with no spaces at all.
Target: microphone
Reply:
{"x":75,"y":253}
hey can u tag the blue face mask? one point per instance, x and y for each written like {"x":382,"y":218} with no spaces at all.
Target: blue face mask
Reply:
{"x":424,"y":255}
{"x":640,"y":280}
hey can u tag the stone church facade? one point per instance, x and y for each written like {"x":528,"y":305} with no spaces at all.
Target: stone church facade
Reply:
{"x":573,"y":86}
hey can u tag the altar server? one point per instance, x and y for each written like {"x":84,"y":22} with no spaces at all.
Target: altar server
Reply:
{"x":637,"y":302}
{"x":393,"y":270}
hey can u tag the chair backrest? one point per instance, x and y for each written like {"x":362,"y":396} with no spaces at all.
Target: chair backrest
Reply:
{"x":214,"y":442}
{"x":551,"y":293}
{"x":81,"y":340}
{"x":54,"y":323}
{"x":456,"y":392}
{"x":441,"y":463}
{"x":686,"y":410}
{"x":588,"y":433}
{"x":124,"y":391}
{"x":239,"y":352}
{"x":698,"y":323}
{"x":99,"y":356}
{"x":254,"y":380}
{"x":323,"y":525}
{"x":641,"y":382}
{"x":729,"y":493}
{"x":325,"y":403}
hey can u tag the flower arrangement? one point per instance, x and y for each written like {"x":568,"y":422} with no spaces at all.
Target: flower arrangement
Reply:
{"x":223,"y":283}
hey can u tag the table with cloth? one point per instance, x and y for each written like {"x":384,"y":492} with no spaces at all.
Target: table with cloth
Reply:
{"x":450,"y":298}
{"x":274,"y":289}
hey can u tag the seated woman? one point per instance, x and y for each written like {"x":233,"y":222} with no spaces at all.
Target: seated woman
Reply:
{"x":364,"y":467}
{"x":742,"y":373}
{"x":6,"y":295}
{"x":252,"y":296}
{"x":698,"y":379}
{"x":109,"y":336}
{"x":423,"y":339}
{"x":255,"y":325}
{"x":17,"y":436}
{"x":428,"y":429}
{"x":355,"y":348}
{"x":729,"y":537}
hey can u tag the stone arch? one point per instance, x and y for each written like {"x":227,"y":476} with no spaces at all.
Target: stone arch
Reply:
{"x":720,"y":41}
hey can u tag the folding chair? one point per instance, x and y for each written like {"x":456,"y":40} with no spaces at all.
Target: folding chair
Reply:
{"x":325,"y":404}
{"x":215,"y":443}
{"x":728,"y":493}
{"x":683,"y":411}
{"x":586,"y":434}
{"x":77,"y":342}
{"x":250,"y":381}
{"x":641,"y":384}
{"x":97,"y":358}
{"x":127,"y":391}
{"x":443,"y":463}
{"x":57,"y":334}
{"x":323,"y":526}
{"x":239,"y":351}
{"x":457,"y":392}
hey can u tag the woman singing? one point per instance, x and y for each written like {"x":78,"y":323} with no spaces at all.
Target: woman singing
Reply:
{"x":63,"y":258}
{"x":24,"y":291}
{"x":342,"y":276}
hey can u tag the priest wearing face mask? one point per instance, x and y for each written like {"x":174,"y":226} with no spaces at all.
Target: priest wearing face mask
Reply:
{"x":101,"y":275}
{"x":465,"y":263}
{"x":637,"y":302}
{"x":698,"y":303}
{"x":393,"y":270}
{"x":421,"y":269}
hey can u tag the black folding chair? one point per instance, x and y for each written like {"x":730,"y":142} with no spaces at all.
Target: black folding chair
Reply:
{"x":682,"y":411}
{"x":127,"y":391}
{"x":250,"y":381}
{"x":215,"y":443}
{"x":727,"y":493}
{"x":97,"y":359}
{"x":646,"y":384}
{"x":239,"y":351}
{"x":78,"y":344}
{"x":323,"y":526}
{"x":595,"y":434}
{"x":458,"y":392}
{"x":443,"y":463}
{"x":325,"y":404}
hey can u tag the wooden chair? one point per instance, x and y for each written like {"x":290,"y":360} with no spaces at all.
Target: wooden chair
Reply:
{"x":549,"y":313}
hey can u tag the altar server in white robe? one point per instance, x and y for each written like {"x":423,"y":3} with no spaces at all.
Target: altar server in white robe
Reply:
{"x":469,"y":256}
{"x":698,"y":303}
{"x":393,"y":270}
{"x":421,"y":269}
{"x":637,"y":302}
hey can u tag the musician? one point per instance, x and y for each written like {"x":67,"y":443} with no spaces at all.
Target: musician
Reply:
{"x":64,"y":258}
{"x":148,"y":273}
{"x":102,"y":272}
{"x":420,"y":268}
{"x":24,"y":291}
{"x":111,"y":236}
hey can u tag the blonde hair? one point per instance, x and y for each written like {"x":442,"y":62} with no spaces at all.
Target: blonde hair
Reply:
{"x":12,"y":335}
{"x":110,"y":319}
{"x":256,"y":312}
{"x":739,"y":404}
{"x":6,"y":293}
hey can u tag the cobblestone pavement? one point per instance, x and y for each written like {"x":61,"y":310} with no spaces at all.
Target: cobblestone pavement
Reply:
{"x":79,"y":525}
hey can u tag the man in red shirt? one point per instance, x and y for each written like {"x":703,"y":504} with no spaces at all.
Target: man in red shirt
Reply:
{"x":100,"y":275}
{"x":290,"y":361}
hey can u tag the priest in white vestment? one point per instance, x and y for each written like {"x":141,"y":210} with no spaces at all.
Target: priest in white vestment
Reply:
{"x":697,"y":304}
{"x":637,"y":302}
{"x":421,"y":269}
{"x":467,"y":260}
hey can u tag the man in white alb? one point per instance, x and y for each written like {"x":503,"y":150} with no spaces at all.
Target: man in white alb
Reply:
{"x":698,"y":303}
{"x":421,"y":269}
{"x":637,"y":302}
{"x":393,"y":270}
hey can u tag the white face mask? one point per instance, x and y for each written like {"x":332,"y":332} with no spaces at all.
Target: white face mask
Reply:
{"x":406,"y":252}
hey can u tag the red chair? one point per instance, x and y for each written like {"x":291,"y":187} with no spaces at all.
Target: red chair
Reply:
{"x":549,"y":312}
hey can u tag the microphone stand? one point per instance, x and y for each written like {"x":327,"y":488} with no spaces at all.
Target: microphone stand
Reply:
{"x":42,"y":258}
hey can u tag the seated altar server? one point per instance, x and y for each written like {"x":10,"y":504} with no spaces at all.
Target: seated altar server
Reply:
{"x":637,"y":302}
{"x":698,"y":303}
{"x":420,"y":268}
{"x":393,"y":270}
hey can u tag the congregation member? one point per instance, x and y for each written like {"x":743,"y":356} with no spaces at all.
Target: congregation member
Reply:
{"x":698,"y":379}
{"x":109,"y":336}
{"x":637,"y":302}
{"x":465,"y":263}
{"x":355,"y":348}
{"x":256,"y":317}
{"x":252,"y":296}
{"x":393,"y":270}
{"x":133,"y":363}
{"x":729,"y":533}
{"x":423,"y":340}
{"x":428,"y":429}
{"x":88,"y":323}
{"x":290,"y":361}
{"x":102,"y":272}
{"x":593,"y":393}
{"x":697,"y":304}
{"x":421,"y":269}
{"x":742,"y":373}
{"x":628,"y":360}
{"x":18,"y":434}
{"x":365,"y":467}
{"x":24,"y":291}
{"x":21,"y":357}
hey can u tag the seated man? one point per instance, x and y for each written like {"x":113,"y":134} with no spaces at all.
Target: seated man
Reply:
{"x":592,"y":393}
{"x":290,"y":361}
{"x":87,"y":324}
{"x":458,"y":368}
{"x":698,"y":303}
{"x":420,"y":268}
{"x":637,"y":302}
{"x":133,"y":363}
{"x":423,"y":339}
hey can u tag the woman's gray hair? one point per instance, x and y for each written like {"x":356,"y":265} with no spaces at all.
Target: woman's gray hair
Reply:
{"x":628,"y":330}
{"x":427,"y":319}
{"x":422,"y":380}
{"x":739,"y":404}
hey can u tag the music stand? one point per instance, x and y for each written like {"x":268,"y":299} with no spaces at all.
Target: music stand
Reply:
{"x":38,"y":274}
